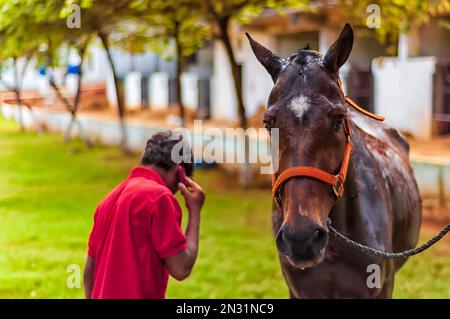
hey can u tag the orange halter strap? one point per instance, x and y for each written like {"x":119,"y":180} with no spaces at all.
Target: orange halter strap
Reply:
{"x":357,"y":107}
{"x":336,"y":181}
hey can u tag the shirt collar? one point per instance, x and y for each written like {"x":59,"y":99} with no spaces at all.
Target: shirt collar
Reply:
{"x":148,"y":173}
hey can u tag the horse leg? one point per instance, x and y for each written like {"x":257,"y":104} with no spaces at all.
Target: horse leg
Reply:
{"x":388,"y":286}
{"x":291,"y":295}
{"x":386,"y":291}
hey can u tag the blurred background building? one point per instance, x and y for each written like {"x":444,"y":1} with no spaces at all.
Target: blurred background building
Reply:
{"x":411,"y":89}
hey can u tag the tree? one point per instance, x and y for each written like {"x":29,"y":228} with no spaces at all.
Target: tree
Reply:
{"x":52,"y":61}
{"x":50,"y":34}
{"x":56,"y":38}
{"x":222,"y":13}
{"x":17,"y":44}
{"x":180,"y":21}
{"x":102,"y":17}
{"x":396,"y":16}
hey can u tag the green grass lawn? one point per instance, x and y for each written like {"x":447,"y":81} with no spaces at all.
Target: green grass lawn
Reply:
{"x":49,"y":190}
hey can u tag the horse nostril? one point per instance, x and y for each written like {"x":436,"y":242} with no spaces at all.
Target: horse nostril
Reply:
{"x":319,"y":234}
{"x":281,"y":242}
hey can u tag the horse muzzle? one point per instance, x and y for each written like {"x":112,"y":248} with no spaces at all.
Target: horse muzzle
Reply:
{"x":303,"y":247}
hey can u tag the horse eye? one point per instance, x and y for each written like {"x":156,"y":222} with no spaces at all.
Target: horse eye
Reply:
{"x":268,"y":121}
{"x":338,"y":120}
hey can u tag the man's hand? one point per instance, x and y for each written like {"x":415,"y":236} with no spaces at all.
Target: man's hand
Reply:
{"x":193,"y":194}
{"x":180,"y":265}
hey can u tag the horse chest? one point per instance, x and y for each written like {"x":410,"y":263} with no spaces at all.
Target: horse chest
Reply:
{"x":331,"y":280}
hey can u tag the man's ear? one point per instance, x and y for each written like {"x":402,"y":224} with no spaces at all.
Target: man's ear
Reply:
{"x":339,"y":50}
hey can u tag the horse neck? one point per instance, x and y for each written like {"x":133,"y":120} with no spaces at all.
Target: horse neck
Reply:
{"x":346,"y":211}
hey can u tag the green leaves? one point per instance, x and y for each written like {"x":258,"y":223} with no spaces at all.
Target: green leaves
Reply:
{"x":159,"y":25}
{"x":397,"y":16}
{"x":136,"y":26}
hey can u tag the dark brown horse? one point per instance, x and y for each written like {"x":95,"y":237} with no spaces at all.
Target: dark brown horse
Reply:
{"x":381,"y":202}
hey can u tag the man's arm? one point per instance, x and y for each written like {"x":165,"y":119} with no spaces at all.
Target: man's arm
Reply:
{"x":88,"y":277}
{"x":180,"y":265}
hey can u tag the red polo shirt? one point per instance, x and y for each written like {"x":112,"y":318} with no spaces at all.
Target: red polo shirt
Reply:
{"x":135,"y":228}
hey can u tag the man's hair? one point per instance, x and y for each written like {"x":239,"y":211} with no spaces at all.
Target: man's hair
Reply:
{"x":158,"y":151}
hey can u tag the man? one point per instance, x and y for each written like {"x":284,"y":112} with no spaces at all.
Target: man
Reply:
{"x":137,"y":241}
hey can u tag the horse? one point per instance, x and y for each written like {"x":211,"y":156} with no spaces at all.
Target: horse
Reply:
{"x":378,"y":203}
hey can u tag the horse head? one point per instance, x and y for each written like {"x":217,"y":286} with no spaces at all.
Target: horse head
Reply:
{"x":308,"y":108}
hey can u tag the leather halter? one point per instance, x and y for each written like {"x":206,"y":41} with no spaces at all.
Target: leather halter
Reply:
{"x":336,"y":181}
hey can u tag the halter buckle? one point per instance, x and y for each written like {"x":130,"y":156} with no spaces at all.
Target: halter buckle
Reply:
{"x":338,"y":187}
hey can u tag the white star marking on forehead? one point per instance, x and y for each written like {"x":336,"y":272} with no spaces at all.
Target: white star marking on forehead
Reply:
{"x":299,"y":106}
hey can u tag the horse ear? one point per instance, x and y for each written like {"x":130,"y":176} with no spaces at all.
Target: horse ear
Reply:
{"x":339,"y":50}
{"x":271,"y":62}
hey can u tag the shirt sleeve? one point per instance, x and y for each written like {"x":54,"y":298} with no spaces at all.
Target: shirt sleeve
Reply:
{"x":166,"y":233}
{"x":92,"y":238}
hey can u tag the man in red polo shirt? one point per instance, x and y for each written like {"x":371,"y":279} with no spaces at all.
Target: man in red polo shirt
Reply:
{"x":137,"y":240}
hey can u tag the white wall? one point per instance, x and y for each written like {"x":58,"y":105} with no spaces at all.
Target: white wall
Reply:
{"x":133,"y":98}
{"x":159,"y":91}
{"x":327,"y":36}
{"x":189,"y":90}
{"x":403,"y":93}
{"x":31,"y":79}
{"x":223,"y":98}
{"x":96,"y":66}
{"x":256,"y":82}
{"x":110,"y":90}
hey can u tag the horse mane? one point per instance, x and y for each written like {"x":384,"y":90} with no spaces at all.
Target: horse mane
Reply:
{"x":376,"y":132}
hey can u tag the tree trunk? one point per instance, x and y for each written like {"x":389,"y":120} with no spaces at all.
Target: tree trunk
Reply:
{"x":118,"y":89}
{"x":73,"y":119}
{"x":73,"y":112}
{"x":24,"y":70}
{"x":225,"y":38}
{"x":179,"y":68}
{"x":76,"y":103}
{"x":19,"y":103}
{"x":17,"y":91}
{"x":245,"y":169}
{"x":59,"y":94}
